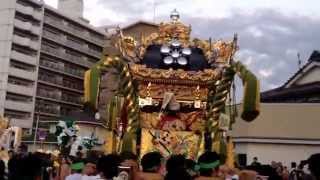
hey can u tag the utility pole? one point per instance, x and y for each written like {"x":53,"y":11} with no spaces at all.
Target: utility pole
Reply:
{"x":37,"y":126}
{"x":299,"y":60}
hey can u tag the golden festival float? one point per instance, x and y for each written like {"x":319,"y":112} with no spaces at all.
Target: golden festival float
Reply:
{"x":170,"y":92}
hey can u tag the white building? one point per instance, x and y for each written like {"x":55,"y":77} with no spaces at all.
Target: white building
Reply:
{"x":287,"y":129}
{"x":44,"y":54}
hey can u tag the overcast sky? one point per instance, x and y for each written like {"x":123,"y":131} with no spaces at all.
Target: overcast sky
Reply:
{"x":271,"y":32}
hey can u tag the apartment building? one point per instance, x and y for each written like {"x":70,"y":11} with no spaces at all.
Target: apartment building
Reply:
{"x":43,"y":56}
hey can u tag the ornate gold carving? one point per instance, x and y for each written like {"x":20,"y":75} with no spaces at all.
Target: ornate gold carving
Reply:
{"x":202,"y":76}
{"x":197,"y":93}
{"x":192,"y":121}
{"x":174,"y":30}
{"x":216,"y":52}
{"x":182,"y":92}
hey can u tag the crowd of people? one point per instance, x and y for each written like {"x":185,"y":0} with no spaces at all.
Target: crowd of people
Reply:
{"x":152,"y":166}
{"x":306,"y":170}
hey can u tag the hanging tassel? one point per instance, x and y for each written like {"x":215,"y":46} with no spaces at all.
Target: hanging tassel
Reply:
{"x":230,"y":153}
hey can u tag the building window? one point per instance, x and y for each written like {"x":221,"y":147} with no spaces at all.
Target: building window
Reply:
{"x":74,"y":40}
{"x":16,"y":97}
{"x":21,"y":17}
{"x":21,"y":82}
{"x":16,"y":114}
{"x":23,"y":50}
{"x":51,"y":45}
{"x":22,"y":66}
{"x":51,"y":31}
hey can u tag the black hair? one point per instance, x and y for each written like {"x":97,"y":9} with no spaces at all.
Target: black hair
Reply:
{"x":190,"y":164}
{"x":26,"y":167}
{"x":2,"y":169}
{"x":108,"y":165}
{"x":293,"y":164}
{"x":127,"y":155}
{"x":175,"y":163}
{"x":208,"y":157}
{"x":150,"y":161}
{"x":176,"y":168}
{"x":179,"y":174}
{"x":314,"y":165}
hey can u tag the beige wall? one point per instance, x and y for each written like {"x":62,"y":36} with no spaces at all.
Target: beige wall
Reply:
{"x":140,"y":29}
{"x":282,"y":132}
{"x":301,"y":121}
{"x":277,"y":152}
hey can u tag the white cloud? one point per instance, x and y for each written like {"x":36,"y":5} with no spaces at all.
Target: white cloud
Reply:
{"x":255,"y":31}
{"x":98,"y":11}
{"x":265,"y":73}
{"x":270,"y":32}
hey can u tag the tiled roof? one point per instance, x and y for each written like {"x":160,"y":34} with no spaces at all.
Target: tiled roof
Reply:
{"x":294,"y":90}
{"x":314,"y":57}
{"x":291,"y":92}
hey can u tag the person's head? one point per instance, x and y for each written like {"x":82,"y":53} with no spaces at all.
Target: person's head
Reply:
{"x":314,"y":165}
{"x":10,"y":153}
{"x":175,"y":163}
{"x":77,"y":166}
{"x":273,"y":164}
{"x":129,"y":159}
{"x":29,"y":167}
{"x":293,"y":165}
{"x":255,"y":159}
{"x":248,"y":175}
{"x":178,"y":174}
{"x":279,"y":169}
{"x":108,"y":165}
{"x":90,"y":168}
{"x":208,"y":164}
{"x":127,"y":155}
{"x":151,"y":162}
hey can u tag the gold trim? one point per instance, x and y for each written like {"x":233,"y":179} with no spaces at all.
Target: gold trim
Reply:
{"x":170,"y":74}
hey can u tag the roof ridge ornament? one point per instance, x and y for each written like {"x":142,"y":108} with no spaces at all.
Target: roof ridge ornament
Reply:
{"x":174,"y":16}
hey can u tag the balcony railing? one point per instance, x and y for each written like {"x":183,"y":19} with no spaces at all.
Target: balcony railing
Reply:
{"x":22,"y":73}
{"x":19,"y":105}
{"x":49,"y":94}
{"x":48,"y":108}
{"x":94,"y":53}
{"x":82,"y":61}
{"x":21,"y":122}
{"x":24,"y":58}
{"x":59,"y":81}
{"x":77,"y":46}
{"x":27,"y":26}
{"x":52,"y":36}
{"x":78,"y":33}
{"x":29,"y":11}
{"x":51,"y":79}
{"x":19,"y":89}
{"x":60,"y":67}
{"x":72,"y":99}
{"x":23,"y":41}
{"x":58,"y":97}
